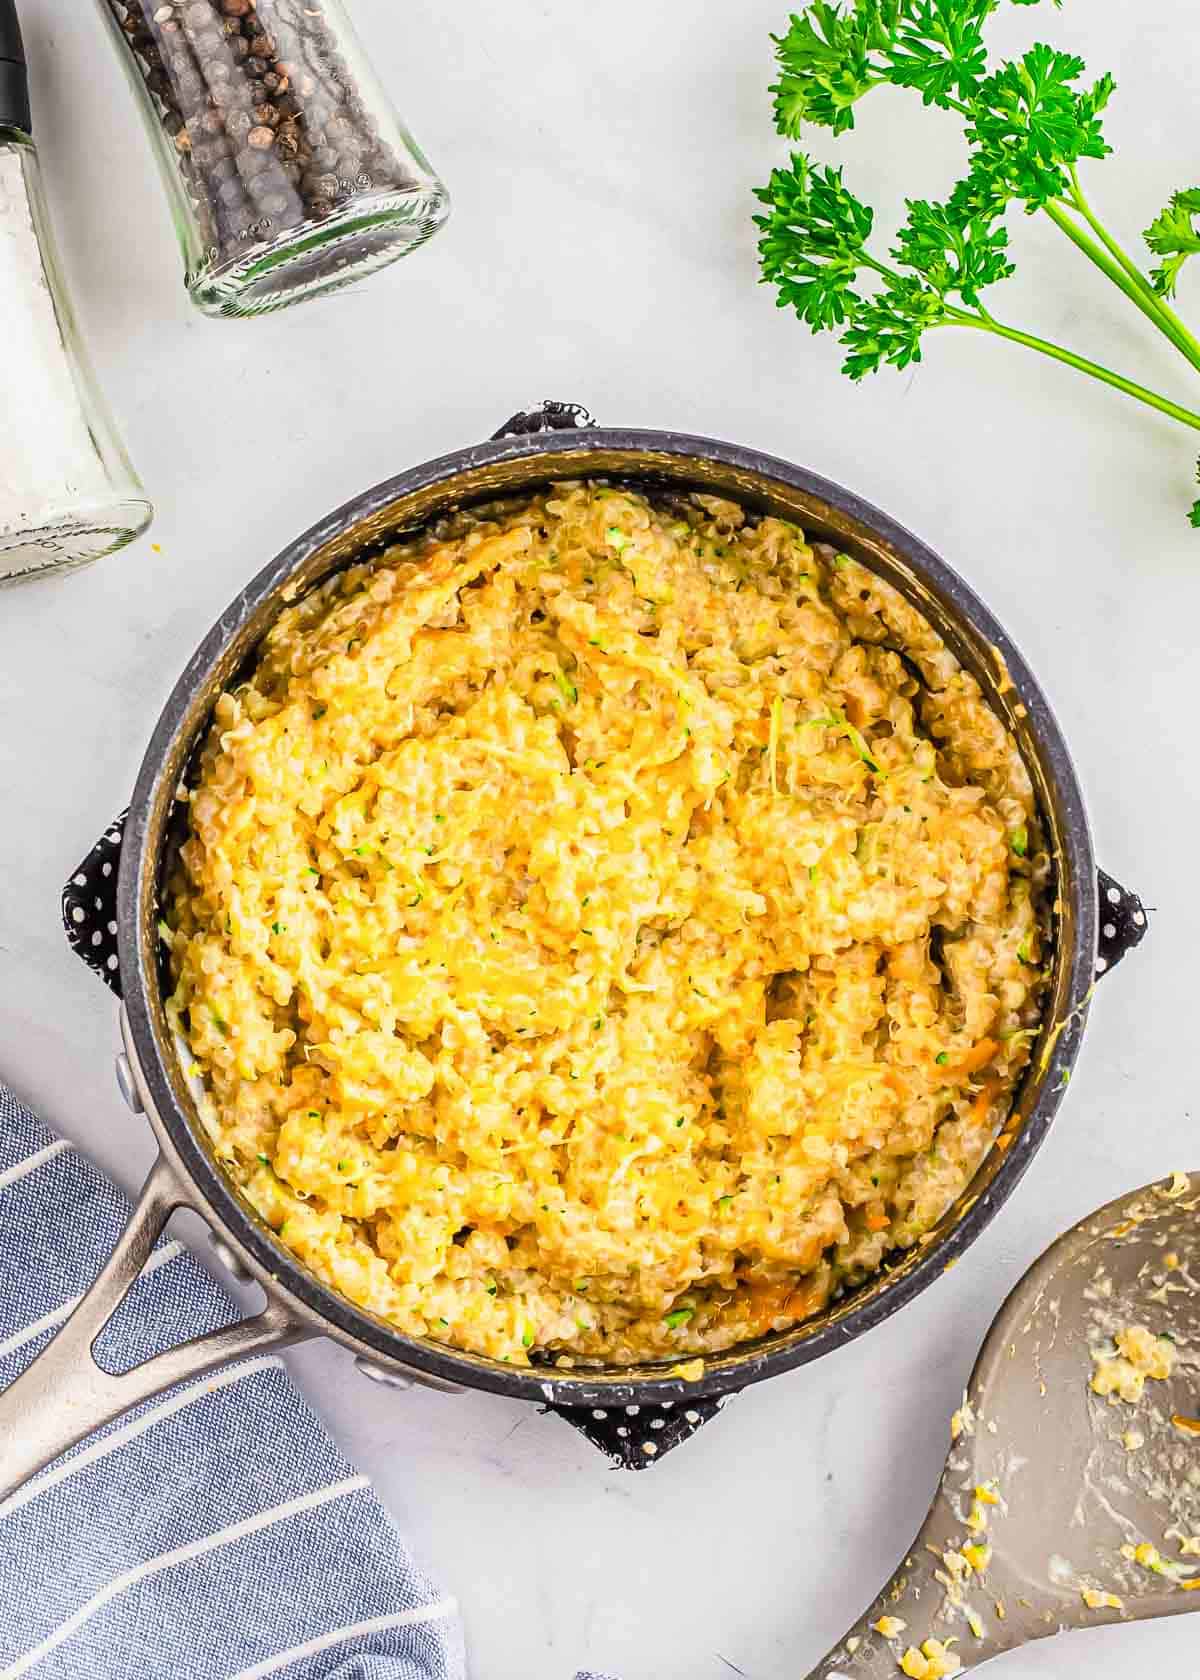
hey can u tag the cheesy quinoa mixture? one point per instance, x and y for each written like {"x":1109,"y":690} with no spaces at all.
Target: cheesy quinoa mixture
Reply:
{"x":607,"y":927}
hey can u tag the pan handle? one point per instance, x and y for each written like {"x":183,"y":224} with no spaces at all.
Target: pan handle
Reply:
{"x":65,"y":1394}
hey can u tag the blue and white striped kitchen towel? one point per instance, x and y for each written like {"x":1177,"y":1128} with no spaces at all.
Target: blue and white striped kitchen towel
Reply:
{"x":216,"y":1531}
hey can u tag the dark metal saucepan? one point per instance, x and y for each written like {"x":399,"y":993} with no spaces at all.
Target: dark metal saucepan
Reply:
{"x":65,"y":1394}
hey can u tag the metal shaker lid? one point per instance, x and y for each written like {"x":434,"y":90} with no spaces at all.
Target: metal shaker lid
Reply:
{"x":14,"y":77}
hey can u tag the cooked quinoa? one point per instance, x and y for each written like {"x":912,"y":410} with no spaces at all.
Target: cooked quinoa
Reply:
{"x":607,"y":927}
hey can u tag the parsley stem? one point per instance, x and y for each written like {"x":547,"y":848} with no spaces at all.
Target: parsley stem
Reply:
{"x":1164,"y":405}
{"x":1176,"y":329}
{"x":1141,"y":298}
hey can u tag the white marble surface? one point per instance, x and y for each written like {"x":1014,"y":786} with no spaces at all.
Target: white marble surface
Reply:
{"x":601,"y":158}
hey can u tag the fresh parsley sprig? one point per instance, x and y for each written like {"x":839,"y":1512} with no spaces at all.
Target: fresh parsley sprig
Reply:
{"x":832,"y":55}
{"x":1029,"y":124}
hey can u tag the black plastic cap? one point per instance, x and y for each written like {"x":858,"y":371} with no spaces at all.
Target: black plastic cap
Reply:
{"x":14,"y":77}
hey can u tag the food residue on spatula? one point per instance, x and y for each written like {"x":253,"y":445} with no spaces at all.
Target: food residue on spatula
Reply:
{"x":1140,"y":1354}
{"x":934,"y":1661}
{"x":1096,"y":1600}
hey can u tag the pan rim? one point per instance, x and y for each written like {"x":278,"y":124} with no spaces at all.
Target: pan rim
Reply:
{"x":372,"y":1337}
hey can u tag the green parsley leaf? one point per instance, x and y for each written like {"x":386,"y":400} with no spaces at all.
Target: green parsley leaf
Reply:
{"x":1173,"y":235}
{"x":1030,"y":125}
{"x":814,"y":242}
{"x":824,"y":68}
{"x":833,"y":55}
{"x":680,"y":1316}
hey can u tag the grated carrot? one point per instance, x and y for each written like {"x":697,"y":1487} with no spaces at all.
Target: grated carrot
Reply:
{"x":981,"y":1107}
{"x":978,"y":1056}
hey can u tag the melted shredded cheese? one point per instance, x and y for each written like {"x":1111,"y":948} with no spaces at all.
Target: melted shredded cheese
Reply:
{"x":594,"y":937}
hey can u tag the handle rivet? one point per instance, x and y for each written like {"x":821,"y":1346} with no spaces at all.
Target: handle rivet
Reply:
{"x":127,"y":1085}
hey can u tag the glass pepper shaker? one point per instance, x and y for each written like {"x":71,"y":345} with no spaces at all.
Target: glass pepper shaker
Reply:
{"x":68,"y":493}
{"x":288,"y":170}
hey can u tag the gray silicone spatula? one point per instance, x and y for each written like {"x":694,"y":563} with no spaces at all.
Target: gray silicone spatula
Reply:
{"x":1059,"y":1508}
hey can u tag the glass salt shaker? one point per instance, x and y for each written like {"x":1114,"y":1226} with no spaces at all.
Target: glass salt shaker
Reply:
{"x":288,"y":170}
{"x":68,"y":493}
